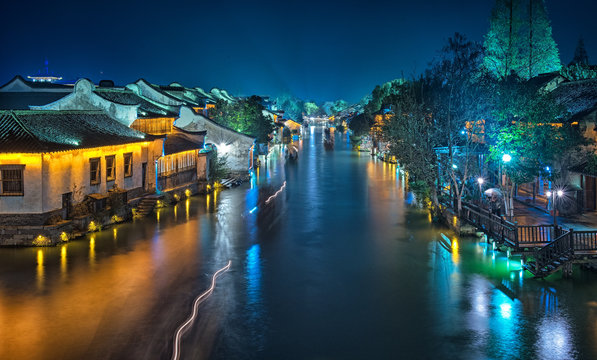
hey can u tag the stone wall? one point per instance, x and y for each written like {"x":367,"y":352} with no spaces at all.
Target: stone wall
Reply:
{"x":27,"y":235}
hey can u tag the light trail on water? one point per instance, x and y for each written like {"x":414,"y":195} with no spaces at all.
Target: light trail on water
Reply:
{"x":276,"y":194}
{"x":186,"y":325}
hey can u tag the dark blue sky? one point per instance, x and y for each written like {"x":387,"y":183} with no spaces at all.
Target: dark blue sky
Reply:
{"x":320,"y":50}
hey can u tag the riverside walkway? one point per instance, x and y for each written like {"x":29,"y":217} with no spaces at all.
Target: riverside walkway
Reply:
{"x":545,"y":246}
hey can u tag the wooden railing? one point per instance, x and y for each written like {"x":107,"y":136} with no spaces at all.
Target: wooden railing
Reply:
{"x":502,"y":230}
{"x":176,"y":179}
{"x":536,"y":235}
{"x":584,"y":241}
{"x":528,"y":236}
{"x":554,"y":251}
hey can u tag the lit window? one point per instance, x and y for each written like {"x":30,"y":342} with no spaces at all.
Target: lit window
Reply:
{"x":128,"y":164}
{"x":94,"y":171}
{"x":11,"y":180}
{"x":110,"y":168}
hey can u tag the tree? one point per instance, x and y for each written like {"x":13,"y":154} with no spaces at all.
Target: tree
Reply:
{"x":310,"y":108}
{"x":519,"y":40}
{"x":455,"y":92}
{"x":245,"y":116}
{"x":501,"y":54}
{"x":360,"y":125}
{"x":541,"y":52}
{"x":531,"y":127}
{"x":580,"y":54}
{"x":292,"y":106}
{"x":412,"y":137}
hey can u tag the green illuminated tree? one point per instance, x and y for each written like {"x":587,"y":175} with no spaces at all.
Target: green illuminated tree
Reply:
{"x":531,"y":127}
{"x":541,"y":52}
{"x":292,"y":106}
{"x":519,"y":40}
{"x":245,"y":116}
{"x":310,"y":108}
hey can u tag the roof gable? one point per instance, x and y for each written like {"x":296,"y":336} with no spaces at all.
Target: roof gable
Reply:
{"x":47,"y":131}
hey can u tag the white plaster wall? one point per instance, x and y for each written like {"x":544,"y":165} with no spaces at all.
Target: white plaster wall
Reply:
{"x":228,"y":142}
{"x":31,"y":201}
{"x":145,"y":89}
{"x":83,"y":98}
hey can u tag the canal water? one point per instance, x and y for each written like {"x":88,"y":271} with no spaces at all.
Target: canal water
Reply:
{"x":340,"y":264}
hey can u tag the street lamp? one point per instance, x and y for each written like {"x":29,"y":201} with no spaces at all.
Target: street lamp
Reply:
{"x":553,"y":194}
{"x":480,"y":181}
{"x":506,"y":158}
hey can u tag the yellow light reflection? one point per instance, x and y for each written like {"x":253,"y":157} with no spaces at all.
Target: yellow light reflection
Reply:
{"x":63,"y":262}
{"x":207,"y":202}
{"x":175,"y":212}
{"x":455,"y":253}
{"x":186,"y":208}
{"x":40,"y":276}
{"x":115,"y":234}
{"x":157,"y":215}
{"x":92,"y":251}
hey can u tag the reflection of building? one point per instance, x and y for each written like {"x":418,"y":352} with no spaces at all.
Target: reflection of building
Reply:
{"x":52,"y":159}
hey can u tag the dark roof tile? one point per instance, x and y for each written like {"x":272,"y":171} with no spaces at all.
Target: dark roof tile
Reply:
{"x":47,"y":131}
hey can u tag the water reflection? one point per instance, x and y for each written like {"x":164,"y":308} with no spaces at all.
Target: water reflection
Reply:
{"x":92,"y":251}
{"x":63,"y":262}
{"x":254,"y":305}
{"x":40,"y":270}
{"x":349,"y":271}
{"x":554,"y":338}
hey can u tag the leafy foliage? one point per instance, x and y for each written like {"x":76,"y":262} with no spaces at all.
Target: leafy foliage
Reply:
{"x":245,"y":116}
{"x":217,"y":167}
{"x":519,"y":40}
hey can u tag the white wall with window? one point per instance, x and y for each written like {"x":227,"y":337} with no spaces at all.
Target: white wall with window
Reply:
{"x":35,"y":183}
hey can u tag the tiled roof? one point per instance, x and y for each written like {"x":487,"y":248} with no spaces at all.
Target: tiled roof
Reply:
{"x":180,"y":140}
{"x":579,"y":97}
{"x":47,"y":131}
{"x":127,"y":97}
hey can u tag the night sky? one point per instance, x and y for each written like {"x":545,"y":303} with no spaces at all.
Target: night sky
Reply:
{"x":319,"y":50}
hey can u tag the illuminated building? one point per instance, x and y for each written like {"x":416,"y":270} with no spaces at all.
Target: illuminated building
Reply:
{"x":50,"y":160}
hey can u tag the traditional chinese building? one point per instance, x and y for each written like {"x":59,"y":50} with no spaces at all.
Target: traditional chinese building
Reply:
{"x":51,"y":160}
{"x":237,"y":147}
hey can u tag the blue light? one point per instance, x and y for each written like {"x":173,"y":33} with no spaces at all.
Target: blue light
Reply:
{"x":253,"y":210}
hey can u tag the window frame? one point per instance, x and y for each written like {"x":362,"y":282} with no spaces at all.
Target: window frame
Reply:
{"x":128,"y":156}
{"x":12,"y":167}
{"x":113,"y":168}
{"x":98,"y":172}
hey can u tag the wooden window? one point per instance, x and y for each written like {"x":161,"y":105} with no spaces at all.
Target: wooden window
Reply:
{"x":110,"y":168}
{"x":94,"y":171}
{"x":128,"y":165}
{"x":11,"y":180}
